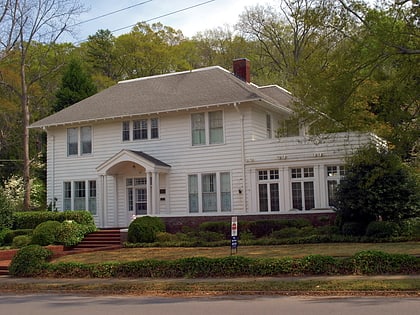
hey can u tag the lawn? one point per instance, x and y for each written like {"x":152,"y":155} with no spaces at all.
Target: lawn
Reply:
{"x":278,"y":251}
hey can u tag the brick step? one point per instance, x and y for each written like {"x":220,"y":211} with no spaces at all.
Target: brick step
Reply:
{"x":4,"y":267}
{"x":100,"y":239}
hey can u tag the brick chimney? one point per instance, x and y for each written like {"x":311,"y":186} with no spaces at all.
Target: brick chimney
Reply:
{"x":242,"y":69}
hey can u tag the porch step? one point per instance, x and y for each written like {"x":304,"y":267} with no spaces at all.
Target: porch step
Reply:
{"x":99,"y":240}
{"x":4,"y":267}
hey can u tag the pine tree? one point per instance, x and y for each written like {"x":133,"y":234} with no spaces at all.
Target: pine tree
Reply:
{"x":76,"y":85}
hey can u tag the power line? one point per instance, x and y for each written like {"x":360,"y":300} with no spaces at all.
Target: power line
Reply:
{"x":112,"y":12}
{"x":167,"y":14}
{"x":152,"y":19}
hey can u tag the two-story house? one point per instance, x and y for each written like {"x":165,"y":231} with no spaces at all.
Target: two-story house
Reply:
{"x":204,"y":142}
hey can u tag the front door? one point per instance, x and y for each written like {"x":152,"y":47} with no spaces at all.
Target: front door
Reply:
{"x":137,"y":195}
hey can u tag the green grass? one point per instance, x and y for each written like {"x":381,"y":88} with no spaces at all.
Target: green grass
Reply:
{"x":278,"y":251}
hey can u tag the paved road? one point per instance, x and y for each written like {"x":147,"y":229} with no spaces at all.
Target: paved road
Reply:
{"x":241,"y":305}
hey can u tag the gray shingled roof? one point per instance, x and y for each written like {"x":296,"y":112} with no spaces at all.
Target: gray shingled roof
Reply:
{"x":165,"y":93}
{"x":150,"y":158}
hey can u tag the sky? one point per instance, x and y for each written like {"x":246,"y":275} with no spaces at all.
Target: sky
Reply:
{"x":207,"y":14}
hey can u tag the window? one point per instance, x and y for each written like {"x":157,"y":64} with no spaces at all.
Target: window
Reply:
{"x":80,"y":195}
{"x":142,"y":129}
{"x":198,"y":129}
{"x":154,"y":131}
{"x":303,"y":189}
{"x":216,"y":127}
{"x":207,"y":126}
{"x":193,"y":193}
{"x":82,"y":136}
{"x":335,"y":174}
{"x":126,"y":131}
{"x":209,"y":192}
{"x":137,"y":195}
{"x":268,"y":125}
{"x":72,"y":141}
{"x":268,"y":190}
{"x":67,"y":196}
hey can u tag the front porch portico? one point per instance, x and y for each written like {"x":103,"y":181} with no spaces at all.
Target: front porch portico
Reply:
{"x":131,"y":183}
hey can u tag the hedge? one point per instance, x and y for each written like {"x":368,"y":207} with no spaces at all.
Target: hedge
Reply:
{"x":367,"y":262}
{"x":31,"y":219}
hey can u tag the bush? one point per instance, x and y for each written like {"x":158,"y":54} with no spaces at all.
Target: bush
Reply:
{"x":411,"y":227}
{"x":286,"y":232}
{"x":46,"y":233}
{"x":72,"y":233}
{"x":207,"y":236}
{"x":353,"y":229}
{"x":6,"y":220}
{"x":31,"y":219}
{"x":376,"y":262}
{"x":382,"y":229}
{"x":263,"y":228}
{"x":144,"y":229}
{"x":220,"y":227}
{"x":29,"y":261}
{"x":11,"y":234}
{"x":21,"y":241}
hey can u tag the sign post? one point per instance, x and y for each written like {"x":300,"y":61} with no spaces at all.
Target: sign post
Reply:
{"x":234,"y":236}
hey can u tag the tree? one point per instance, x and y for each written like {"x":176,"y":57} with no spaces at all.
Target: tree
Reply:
{"x":23,"y":24}
{"x":76,"y":85}
{"x":378,"y":186}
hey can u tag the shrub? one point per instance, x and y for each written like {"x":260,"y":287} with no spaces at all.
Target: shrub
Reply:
{"x":376,"y":262}
{"x":31,"y":219}
{"x":382,"y":229}
{"x":220,"y":227}
{"x":11,"y":234}
{"x":353,"y":229}
{"x":207,"y":236}
{"x":6,"y":220}
{"x":263,"y":228}
{"x":29,"y":261}
{"x":46,"y":233}
{"x":2,"y":235}
{"x":72,"y":233}
{"x":286,"y":232}
{"x":411,"y":227}
{"x":21,"y":241}
{"x":144,"y":229}
{"x":318,"y":264}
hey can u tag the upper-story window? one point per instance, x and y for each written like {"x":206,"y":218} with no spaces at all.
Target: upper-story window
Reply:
{"x":207,"y":126}
{"x":140,"y":129}
{"x":79,"y":141}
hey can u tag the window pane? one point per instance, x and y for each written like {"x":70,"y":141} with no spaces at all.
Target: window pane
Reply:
{"x":309,"y":195}
{"x":92,"y":197}
{"x":140,"y":129}
{"x":332,"y":188}
{"x":79,"y":195}
{"x":263,"y":175}
{"x":86,"y":138}
{"x":209,"y":192}
{"x":126,"y":130}
{"x":263,"y":197}
{"x":130,"y":199}
{"x":193,"y":193}
{"x":216,"y":127}
{"x":225,"y":191}
{"x":297,"y":196}
{"x":141,"y":201}
{"x":72,"y":141}
{"x":274,"y":174}
{"x":67,"y":196}
{"x":154,"y":128}
{"x":198,"y":129}
{"x":296,"y":173}
{"x":308,"y":172}
{"x":274,"y":197}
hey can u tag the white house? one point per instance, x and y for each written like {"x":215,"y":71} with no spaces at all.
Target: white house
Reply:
{"x":196,"y":143}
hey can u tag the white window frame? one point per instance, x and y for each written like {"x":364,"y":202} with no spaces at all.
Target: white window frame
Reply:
{"x":268,"y":179}
{"x":80,"y":142}
{"x":222,"y":192}
{"x":301,"y":180}
{"x":334,"y":174}
{"x":148,"y":129}
{"x":205,"y":135}
{"x":89,"y":195}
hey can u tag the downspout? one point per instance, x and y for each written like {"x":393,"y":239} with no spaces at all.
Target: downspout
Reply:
{"x":242,"y":156}
{"x":53,"y":174}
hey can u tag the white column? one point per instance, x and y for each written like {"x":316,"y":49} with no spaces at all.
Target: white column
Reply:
{"x":149,"y":197}
{"x":157,"y":192}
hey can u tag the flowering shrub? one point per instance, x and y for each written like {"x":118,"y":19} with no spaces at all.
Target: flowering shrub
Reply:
{"x":14,"y":192}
